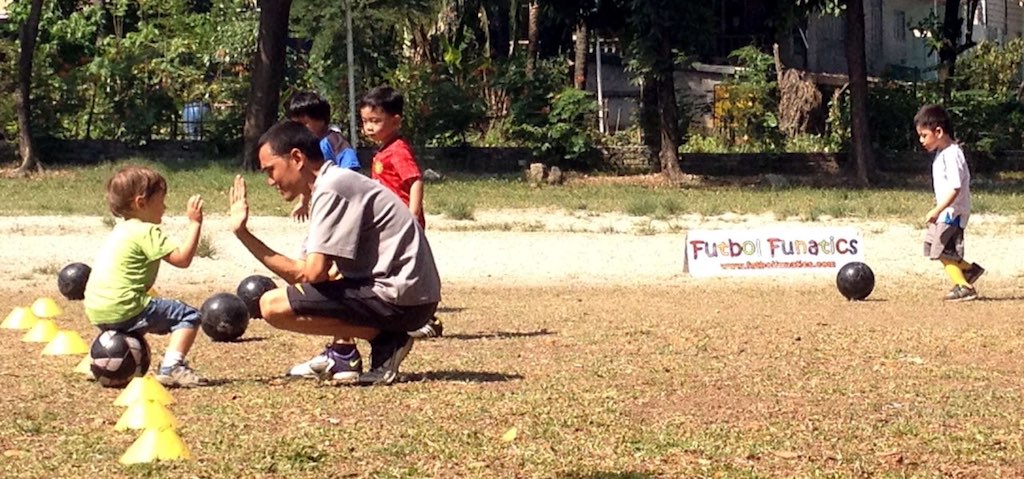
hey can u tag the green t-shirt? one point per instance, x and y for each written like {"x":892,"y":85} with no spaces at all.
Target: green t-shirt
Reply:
{"x":124,"y":270}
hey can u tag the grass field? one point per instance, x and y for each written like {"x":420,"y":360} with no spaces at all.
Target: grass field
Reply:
{"x":717,"y":378}
{"x":731,"y":380}
{"x":79,"y":190}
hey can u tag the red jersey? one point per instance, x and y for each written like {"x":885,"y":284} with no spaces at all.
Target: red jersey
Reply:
{"x":394,"y":166}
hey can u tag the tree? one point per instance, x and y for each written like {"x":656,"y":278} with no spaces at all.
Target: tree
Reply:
{"x":267,"y":76}
{"x":949,"y":44}
{"x":856,"y":61}
{"x":23,"y":101}
{"x":654,"y":40}
{"x":533,"y":36}
{"x":579,"y":76}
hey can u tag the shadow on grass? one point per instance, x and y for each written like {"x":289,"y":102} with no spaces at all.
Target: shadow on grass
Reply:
{"x":1000,"y":298}
{"x":450,"y":309}
{"x":250,"y":339}
{"x":461,"y":376}
{"x":604,"y":475}
{"x":500,"y":335}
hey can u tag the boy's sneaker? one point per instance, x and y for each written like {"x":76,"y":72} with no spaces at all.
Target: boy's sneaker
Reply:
{"x":179,"y":376}
{"x":961,"y":293}
{"x":973,"y":273}
{"x":388,"y":351}
{"x":433,"y":329}
{"x":330,"y":365}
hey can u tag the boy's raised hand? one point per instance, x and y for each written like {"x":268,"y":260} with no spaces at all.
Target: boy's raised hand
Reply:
{"x":194,"y":210}
{"x":239,"y":205}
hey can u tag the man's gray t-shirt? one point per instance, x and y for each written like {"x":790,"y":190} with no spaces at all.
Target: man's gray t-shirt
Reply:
{"x":370,"y":233}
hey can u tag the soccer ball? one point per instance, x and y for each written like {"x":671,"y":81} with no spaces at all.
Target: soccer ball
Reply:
{"x":72,"y":279}
{"x":225,"y":317}
{"x":855,"y":281}
{"x":118,"y":357}
{"x":251,"y":289}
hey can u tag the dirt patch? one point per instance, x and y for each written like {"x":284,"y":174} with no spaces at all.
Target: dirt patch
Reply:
{"x":559,"y":248}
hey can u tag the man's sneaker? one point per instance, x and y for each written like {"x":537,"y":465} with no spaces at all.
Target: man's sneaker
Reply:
{"x":330,"y":365}
{"x":973,"y":273}
{"x":388,"y":351}
{"x":179,"y":376}
{"x":433,"y":329}
{"x":961,"y":293}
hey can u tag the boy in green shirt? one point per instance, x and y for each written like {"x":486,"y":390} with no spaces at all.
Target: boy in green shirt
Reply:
{"x":127,"y":265}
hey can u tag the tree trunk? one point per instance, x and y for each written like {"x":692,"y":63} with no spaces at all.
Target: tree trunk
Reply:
{"x":856,"y":62}
{"x":650,"y":118}
{"x":667,"y":110}
{"x":499,"y":29}
{"x":267,"y":75}
{"x":23,"y":100}
{"x":951,"y":25}
{"x":579,"y":77}
{"x":533,"y":36}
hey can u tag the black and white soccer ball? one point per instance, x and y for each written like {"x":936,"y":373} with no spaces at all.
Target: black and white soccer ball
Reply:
{"x":118,"y":357}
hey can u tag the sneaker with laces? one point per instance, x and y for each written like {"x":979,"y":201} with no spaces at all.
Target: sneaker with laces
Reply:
{"x":973,"y":273}
{"x":961,"y":293}
{"x":179,"y":376}
{"x":388,"y":351}
{"x":433,"y":329}
{"x":330,"y":365}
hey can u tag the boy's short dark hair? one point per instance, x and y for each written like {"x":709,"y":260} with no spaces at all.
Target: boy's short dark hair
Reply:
{"x":129,"y":182}
{"x":309,"y":104}
{"x":384,"y":97}
{"x":932,"y":117}
{"x":288,"y":134}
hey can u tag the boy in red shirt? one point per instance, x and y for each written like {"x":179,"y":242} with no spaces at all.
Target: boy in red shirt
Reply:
{"x":394,"y":164}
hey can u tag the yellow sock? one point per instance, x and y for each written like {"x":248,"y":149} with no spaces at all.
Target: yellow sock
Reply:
{"x":954,"y":272}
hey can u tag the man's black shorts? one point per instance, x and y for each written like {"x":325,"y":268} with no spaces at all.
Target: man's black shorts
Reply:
{"x":354,"y":302}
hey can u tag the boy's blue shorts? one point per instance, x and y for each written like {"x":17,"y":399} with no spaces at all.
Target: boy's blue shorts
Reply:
{"x":161,"y":316}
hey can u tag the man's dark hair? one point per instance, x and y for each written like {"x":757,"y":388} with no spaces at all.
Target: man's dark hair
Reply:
{"x":384,"y":97}
{"x":932,"y":117}
{"x":288,"y":134}
{"x":308,"y":103}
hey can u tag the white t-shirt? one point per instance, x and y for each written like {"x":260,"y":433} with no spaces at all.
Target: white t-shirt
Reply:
{"x":949,"y":172}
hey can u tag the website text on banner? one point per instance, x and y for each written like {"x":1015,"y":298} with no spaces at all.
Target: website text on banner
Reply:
{"x":771,"y":251}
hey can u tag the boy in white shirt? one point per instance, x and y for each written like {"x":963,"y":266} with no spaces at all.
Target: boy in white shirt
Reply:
{"x":951,"y":180}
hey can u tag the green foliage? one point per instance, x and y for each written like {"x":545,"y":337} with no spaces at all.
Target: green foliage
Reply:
{"x":124,"y":69}
{"x":745,"y":106}
{"x":986,"y":121}
{"x":891,"y":110}
{"x":992,"y":67}
{"x":8,"y":83}
{"x":441,"y":103}
{"x":562,"y":131}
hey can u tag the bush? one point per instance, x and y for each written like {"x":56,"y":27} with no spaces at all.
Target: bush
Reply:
{"x":563,"y":134}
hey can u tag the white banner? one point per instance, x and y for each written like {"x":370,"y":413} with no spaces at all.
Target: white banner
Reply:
{"x":771,"y":251}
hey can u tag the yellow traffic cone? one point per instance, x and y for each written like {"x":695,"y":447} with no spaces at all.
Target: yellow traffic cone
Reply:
{"x":146,"y":415}
{"x":66,"y":342}
{"x":84,"y":366}
{"x":156,"y":444}
{"x":42,"y":332}
{"x":143,"y":388}
{"x":46,"y":308}
{"x":19,"y":318}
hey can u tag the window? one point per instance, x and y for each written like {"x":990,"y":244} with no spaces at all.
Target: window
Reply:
{"x":899,"y":18}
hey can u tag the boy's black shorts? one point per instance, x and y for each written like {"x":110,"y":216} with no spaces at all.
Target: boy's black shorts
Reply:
{"x":354,"y":302}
